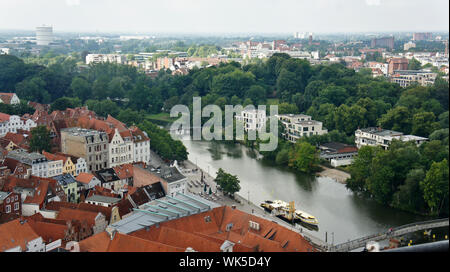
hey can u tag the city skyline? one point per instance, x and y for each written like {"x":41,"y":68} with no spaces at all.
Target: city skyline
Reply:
{"x":189,"y":16}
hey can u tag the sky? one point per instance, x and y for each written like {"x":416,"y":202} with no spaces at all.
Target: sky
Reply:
{"x":226,"y":16}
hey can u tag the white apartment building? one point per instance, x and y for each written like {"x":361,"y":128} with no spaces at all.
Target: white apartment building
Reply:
{"x":252,"y":119}
{"x":141,"y":145}
{"x":11,"y":123}
{"x":120,"y":148}
{"x":55,"y":168}
{"x":99,"y":58}
{"x":300,"y":125}
{"x":375,"y":136}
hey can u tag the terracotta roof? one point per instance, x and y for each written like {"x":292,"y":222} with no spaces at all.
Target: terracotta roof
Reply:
{"x":55,"y":157}
{"x":13,"y":234}
{"x":106,"y":211}
{"x":85,"y":178}
{"x":49,"y":232}
{"x":124,"y":171}
{"x":58,"y":205}
{"x":6,"y":97}
{"x":208,"y":235}
{"x":96,"y":243}
{"x":76,"y":214}
{"x":128,"y":243}
{"x":4,"y":117}
{"x":142,"y":177}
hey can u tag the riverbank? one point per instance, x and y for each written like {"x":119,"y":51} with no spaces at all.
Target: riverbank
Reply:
{"x":338,"y":175}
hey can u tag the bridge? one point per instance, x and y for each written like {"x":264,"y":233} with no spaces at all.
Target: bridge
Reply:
{"x":394,"y":232}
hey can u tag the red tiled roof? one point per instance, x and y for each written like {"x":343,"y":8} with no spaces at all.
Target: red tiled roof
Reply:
{"x":49,"y":232}
{"x":4,"y":117}
{"x":96,"y":243}
{"x":77,"y":214}
{"x":128,"y":243}
{"x":124,"y":171}
{"x":85,"y":178}
{"x":13,"y":234}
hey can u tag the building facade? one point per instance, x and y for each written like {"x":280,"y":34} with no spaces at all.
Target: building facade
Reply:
{"x":89,"y":144}
{"x":300,"y":125}
{"x":376,"y":136}
{"x":252,"y":119}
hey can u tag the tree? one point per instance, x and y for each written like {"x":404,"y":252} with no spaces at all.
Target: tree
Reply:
{"x":409,"y":195}
{"x":303,"y":157}
{"x":435,"y":187}
{"x":65,"y":102}
{"x":257,"y":94}
{"x":40,"y":139}
{"x":229,"y":183}
{"x":81,"y":88}
{"x":360,"y":169}
{"x":423,"y":123}
{"x":414,"y":64}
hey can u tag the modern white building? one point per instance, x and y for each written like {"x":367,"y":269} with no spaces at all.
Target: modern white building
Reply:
{"x":44,"y":35}
{"x":300,"y":125}
{"x":252,"y":119}
{"x":99,"y":58}
{"x":376,"y":136}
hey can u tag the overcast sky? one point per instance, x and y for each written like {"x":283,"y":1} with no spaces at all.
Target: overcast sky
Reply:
{"x":233,"y":16}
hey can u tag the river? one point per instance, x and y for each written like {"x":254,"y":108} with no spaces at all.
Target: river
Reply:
{"x":342,"y":216}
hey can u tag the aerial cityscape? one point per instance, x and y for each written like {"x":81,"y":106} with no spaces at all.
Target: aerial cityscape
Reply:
{"x":194,"y":126}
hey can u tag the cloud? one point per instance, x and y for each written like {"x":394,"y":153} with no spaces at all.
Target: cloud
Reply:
{"x":72,"y":3}
{"x":373,"y":2}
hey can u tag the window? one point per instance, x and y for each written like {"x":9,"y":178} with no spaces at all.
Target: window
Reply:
{"x":16,"y":206}
{"x":8,"y":209}
{"x":7,"y":200}
{"x":17,"y":197}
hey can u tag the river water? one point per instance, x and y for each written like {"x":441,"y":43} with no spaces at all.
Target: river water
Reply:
{"x":341,"y":215}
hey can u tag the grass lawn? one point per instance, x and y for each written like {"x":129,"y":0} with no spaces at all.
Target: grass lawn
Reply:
{"x":163,"y":116}
{"x":273,"y":101}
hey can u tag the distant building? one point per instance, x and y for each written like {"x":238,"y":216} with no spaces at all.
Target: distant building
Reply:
{"x":338,"y":154}
{"x":397,"y":64}
{"x":100,"y":58}
{"x":406,"y":77}
{"x":252,"y":119}
{"x":104,"y":201}
{"x":409,"y":45}
{"x":44,"y":35}
{"x":9,"y":98}
{"x":422,"y":36}
{"x":300,"y":125}
{"x":12,"y":123}
{"x":376,"y":136}
{"x":387,"y":42}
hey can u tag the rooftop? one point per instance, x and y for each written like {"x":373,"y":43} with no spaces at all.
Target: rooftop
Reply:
{"x":161,"y":210}
{"x":25,"y":157}
{"x":381,"y":132}
{"x":103,"y":199}
{"x":81,"y":131}
{"x":65,"y":179}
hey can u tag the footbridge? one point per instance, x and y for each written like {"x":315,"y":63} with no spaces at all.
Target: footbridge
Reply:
{"x":394,"y":232}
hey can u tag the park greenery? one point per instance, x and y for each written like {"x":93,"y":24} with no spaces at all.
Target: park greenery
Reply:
{"x":344,"y":100}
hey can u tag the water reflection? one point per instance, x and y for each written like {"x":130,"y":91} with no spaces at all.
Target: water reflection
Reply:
{"x":337,"y":209}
